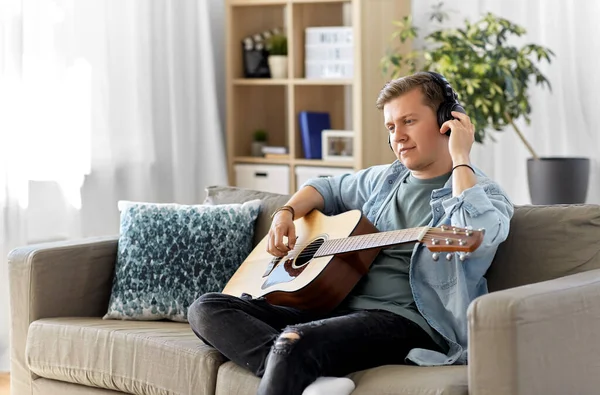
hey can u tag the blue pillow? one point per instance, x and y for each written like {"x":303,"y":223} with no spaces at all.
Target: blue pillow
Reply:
{"x":170,"y":254}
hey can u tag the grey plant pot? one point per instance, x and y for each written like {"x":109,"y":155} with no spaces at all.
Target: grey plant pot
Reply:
{"x":256,"y":148}
{"x":558,"y":180}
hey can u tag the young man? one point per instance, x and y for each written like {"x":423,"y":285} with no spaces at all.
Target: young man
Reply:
{"x":410,"y":307}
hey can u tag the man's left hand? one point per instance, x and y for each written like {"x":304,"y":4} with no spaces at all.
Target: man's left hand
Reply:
{"x":461,"y":138}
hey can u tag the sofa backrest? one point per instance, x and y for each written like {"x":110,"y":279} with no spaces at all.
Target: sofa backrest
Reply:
{"x":545,"y":242}
{"x":270,"y":202}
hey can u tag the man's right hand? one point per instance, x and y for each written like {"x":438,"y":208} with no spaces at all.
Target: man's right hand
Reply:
{"x":282,"y":226}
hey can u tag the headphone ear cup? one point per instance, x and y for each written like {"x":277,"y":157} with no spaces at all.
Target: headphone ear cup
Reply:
{"x":450,"y":103}
{"x":458,"y":108}
{"x":445,"y":113}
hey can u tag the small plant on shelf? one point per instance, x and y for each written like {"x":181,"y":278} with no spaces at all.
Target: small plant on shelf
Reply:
{"x":277,"y":45}
{"x":260,"y":135}
{"x":259,"y":141}
{"x":278,"y":50}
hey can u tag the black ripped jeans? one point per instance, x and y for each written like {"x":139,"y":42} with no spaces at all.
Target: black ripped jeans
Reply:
{"x":290,"y":348}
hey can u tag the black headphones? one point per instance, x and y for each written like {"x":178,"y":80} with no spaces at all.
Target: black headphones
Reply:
{"x":450,"y":103}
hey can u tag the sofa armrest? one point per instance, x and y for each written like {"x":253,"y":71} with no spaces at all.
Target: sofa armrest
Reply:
{"x":537,"y":339}
{"x":59,"y":279}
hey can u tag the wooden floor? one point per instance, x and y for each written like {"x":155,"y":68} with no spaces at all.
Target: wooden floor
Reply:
{"x":4,"y":381}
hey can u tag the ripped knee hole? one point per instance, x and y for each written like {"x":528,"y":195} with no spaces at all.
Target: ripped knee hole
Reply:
{"x":286,"y":339}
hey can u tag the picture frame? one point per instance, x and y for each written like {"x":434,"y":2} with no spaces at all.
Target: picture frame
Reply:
{"x":337,"y":145}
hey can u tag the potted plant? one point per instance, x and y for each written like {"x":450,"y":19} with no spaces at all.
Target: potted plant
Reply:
{"x":278,"y":61}
{"x":259,"y":141}
{"x":493,"y":78}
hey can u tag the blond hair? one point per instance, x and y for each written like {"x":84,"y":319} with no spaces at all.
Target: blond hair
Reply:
{"x":433,"y":95}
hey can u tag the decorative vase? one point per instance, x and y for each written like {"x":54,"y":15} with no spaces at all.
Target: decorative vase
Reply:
{"x":278,"y":64}
{"x":558,"y":180}
{"x":257,"y":148}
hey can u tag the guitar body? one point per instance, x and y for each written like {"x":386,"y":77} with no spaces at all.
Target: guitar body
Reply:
{"x":330,"y":256}
{"x":299,"y":280}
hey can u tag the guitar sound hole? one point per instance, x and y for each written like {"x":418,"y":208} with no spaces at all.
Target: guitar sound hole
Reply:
{"x":288,"y":269}
{"x":308,"y":252}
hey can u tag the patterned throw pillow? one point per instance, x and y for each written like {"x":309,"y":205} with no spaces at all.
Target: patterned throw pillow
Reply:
{"x":170,"y":254}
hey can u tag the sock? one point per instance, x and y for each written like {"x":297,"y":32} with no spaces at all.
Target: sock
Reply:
{"x":330,"y":386}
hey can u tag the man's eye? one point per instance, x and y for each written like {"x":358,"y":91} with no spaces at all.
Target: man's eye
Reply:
{"x":409,"y":121}
{"x":391,"y":128}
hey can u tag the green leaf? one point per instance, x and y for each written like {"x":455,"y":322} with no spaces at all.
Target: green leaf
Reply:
{"x":497,"y":107}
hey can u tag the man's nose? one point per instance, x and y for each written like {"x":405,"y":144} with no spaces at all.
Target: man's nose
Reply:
{"x":398,"y":137}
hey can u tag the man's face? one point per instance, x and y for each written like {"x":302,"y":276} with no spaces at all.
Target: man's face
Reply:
{"x":414,"y":132}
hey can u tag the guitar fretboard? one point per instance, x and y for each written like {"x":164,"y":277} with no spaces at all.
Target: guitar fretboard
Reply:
{"x":373,"y":240}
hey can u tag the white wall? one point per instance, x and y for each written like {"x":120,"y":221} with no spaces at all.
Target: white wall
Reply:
{"x":98,"y":216}
{"x":217,"y":11}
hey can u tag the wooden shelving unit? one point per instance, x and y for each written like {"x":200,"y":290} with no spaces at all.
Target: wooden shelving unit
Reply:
{"x":274,"y":104}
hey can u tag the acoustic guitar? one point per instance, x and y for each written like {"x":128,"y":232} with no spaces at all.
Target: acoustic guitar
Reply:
{"x":330,"y":256}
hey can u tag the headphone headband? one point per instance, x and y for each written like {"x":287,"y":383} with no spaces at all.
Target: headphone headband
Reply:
{"x":449,"y":95}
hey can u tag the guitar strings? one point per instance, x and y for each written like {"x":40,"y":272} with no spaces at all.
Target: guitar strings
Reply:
{"x":426,"y":237}
{"x":310,"y":251}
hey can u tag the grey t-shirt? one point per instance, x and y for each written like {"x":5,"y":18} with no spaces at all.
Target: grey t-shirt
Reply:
{"x":386,"y":286}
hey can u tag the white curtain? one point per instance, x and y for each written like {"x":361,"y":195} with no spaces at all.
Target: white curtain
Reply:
{"x":562,"y":122}
{"x":102,"y":100}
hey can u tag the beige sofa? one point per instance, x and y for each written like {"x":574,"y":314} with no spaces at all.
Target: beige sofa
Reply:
{"x":538,"y":332}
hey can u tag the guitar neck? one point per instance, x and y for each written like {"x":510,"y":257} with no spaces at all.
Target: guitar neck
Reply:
{"x":373,"y":240}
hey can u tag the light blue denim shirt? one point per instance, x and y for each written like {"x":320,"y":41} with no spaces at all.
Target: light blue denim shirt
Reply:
{"x":444,"y":289}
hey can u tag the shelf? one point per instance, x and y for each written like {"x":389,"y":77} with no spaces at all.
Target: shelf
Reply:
{"x":254,"y":159}
{"x":246,"y":19}
{"x":257,"y":2}
{"x":337,"y":81}
{"x":311,"y":14}
{"x":296,"y":162}
{"x":260,"y":81}
{"x":295,"y":81}
{"x":320,"y":1}
{"x":274,"y":104}
{"x":279,"y":2}
{"x":324,"y":163}
{"x":259,"y":107}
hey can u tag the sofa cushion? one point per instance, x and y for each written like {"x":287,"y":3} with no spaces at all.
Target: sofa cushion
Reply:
{"x":137,"y":357}
{"x":269,"y":202}
{"x":547,"y":242}
{"x":384,"y":380}
{"x":41,"y":386}
{"x":411,"y":380}
{"x":170,"y":254}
